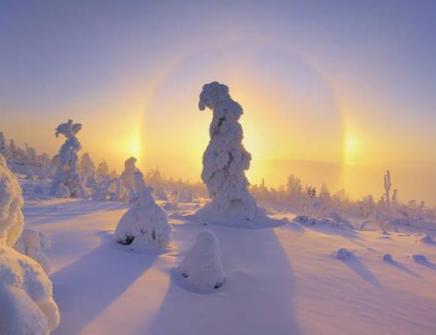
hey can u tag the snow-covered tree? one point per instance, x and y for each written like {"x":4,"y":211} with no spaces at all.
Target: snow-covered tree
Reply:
{"x":11,"y":202}
{"x":145,"y":224}
{"x":388,"y":185}
{"x":87,"y":170}
{"x":128,"y":176}
{"x":225,"y":162}
{"x":66,"y":181}
{"x":202,"y":268}
{"x":26,"y":297}
{"x":4,"y":150}
{"x":103,"y":169}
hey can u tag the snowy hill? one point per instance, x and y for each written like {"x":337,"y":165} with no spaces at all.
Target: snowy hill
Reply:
{"x":284,"y":280}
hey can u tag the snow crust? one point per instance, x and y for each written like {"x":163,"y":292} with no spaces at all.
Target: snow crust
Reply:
{"x":202,"y":268}
{"x":145,"y":224}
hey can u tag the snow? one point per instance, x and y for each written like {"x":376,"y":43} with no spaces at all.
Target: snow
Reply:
{"x":19,"y":315}
{"x":281,"y":280}
{"x":202,"y":268}
{"x":225,"y":162}
{"x":25,"y":274}
{"x":26,"y":298}
{"x":145,"y":224}
{"x":33,"y":244}
{"x":11,"y":201}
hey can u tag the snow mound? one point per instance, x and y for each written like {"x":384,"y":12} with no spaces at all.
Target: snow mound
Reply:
{"x":343,"y":254}
{"x":224,"y":164}
{"x":426,"y":239}
{"x":388,"y":258}
{"x":11,"y":202}
{"x":33,"y":243}
{"x":23,"y":281}
{"x":202,"y":268}
{"x":322,"y":222}
{"x":145,"y":224}
{"x":19,"y":315}
{"x":418,"y":258}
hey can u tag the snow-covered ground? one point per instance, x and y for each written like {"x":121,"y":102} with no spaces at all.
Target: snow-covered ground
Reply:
{"x":283,"y":280}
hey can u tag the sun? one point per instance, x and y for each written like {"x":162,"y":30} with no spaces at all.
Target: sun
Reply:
{"x":350,"y":149}
{"x":135,"y":147}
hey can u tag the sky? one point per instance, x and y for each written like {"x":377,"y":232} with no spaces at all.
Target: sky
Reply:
{"x":332,"y":91}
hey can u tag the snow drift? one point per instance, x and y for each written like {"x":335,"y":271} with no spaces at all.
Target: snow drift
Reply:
{"x":202,"y":268}
{"x":145,"y":224}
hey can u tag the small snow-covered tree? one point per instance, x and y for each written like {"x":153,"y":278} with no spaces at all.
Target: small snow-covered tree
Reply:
{"x":388,"y":185}
{"x":128,"y":176}
{"x":66,"y":181}
{"x":225,"y":162}
{"x":26,"y":297}
{"x":145,"y":224}
{"x":87,"y":170}
{"x":103,"y":169}
{"x":202,"y":268}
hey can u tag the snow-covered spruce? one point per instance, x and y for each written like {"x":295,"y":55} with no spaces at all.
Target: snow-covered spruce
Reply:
{"x":26,"y":297}
{"x":11,"y":202}
{"x":145,"y":224}
{"x":202,"y":268}
{"x":128,"y":177}
{"x":33,"y":243}
{"x":225,"y":162}
{"x":66,"y":181}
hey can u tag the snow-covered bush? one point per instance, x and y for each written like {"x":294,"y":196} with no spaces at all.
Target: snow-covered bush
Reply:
{"x":321,"y":222}
{"x":202,"y":268}
{"x":145,"y":224}
{"x":343,"y":254}
{"x":33,"y":243}
{"x":26,"y":297}
{"x":225,"y":162}
{"x":66,"y":181}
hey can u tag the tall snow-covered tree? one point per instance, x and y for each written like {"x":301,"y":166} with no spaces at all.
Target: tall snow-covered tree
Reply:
{"x":66,"y":181}
{"x":225,"y":162}
{"x":26,"y":297}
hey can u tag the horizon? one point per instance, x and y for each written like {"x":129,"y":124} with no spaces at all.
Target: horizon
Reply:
{"x":126,"y":75}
